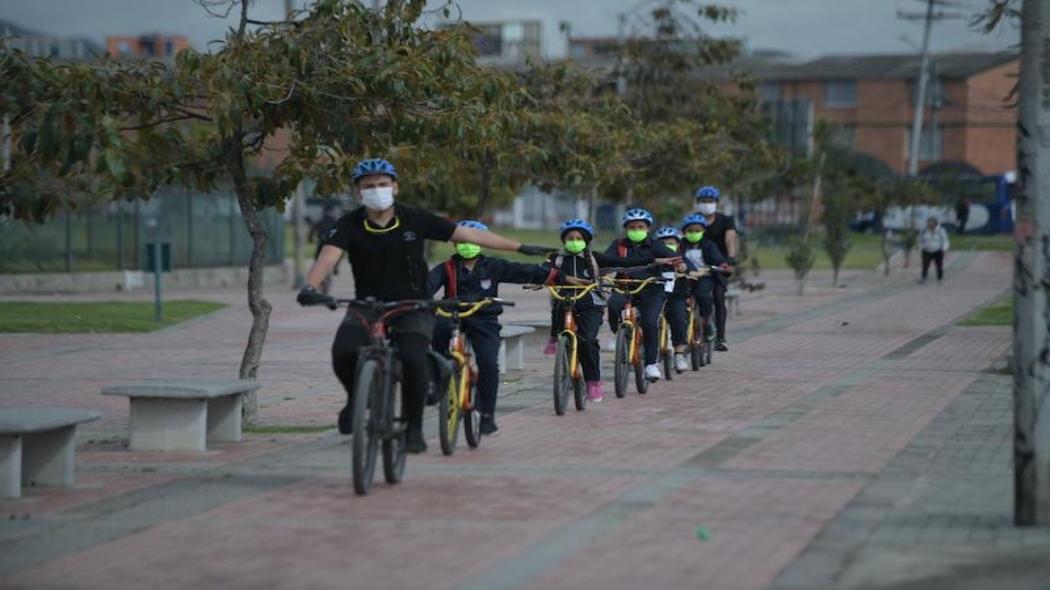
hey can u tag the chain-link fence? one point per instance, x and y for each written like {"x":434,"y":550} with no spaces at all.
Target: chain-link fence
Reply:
{"x":204,"y":230}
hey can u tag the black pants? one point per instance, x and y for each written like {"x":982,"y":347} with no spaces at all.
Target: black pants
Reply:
{"x":650,"y":304}
{"x":935,"y":257}
{"x":588,"y":321}
{"x":719,"y":295}
{"x":677,"y":314}
{"x":411,"y":334}
{"x":483,"y":334}
{"x":704,"y":293}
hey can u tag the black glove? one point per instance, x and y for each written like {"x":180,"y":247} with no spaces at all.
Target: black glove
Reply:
{"x":535,"y":250}
{"x":310,"y":296}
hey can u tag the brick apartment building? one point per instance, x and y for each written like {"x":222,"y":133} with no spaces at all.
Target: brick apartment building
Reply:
{"x":153,"y":46}
{"x":871,"y":100}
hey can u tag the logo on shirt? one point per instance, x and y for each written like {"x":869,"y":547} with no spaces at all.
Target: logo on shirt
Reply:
{"x":486,"y":284}
{"x":410,"y":236}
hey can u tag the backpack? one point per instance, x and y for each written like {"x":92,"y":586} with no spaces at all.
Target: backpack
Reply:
{"x":451,"y":275}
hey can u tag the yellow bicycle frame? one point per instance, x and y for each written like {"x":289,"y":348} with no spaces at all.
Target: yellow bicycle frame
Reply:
{"x":569,"y":328}
{"x":458,"y":352}
{"x":630,"y":314}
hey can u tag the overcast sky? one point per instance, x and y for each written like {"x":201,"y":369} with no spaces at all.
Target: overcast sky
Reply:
{"x":803,"y":27}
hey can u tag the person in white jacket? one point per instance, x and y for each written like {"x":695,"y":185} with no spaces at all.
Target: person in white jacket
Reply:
{"x":934,"y":243}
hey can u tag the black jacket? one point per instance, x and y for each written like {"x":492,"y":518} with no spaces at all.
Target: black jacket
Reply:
{"x":484,"y":280}
{"x":711,"y":254}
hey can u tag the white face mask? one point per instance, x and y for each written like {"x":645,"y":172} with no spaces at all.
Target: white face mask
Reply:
{"x":379,"y":199}
{"x":706,"y":208}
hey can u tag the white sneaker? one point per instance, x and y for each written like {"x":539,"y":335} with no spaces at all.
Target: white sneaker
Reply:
{"x":680,"y":364}
{"x":652,"y":372}
{"x":610,"y":345}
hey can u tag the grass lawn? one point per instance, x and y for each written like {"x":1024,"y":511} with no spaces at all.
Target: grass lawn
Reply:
{"x":865,"y":252}
{"x":999,"y":313}
{"x":104,"y":316}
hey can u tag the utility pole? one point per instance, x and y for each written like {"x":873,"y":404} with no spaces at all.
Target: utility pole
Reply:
{"x":298,"y":213}
{"x":924,"y":75}
{"x":1031,"y":368}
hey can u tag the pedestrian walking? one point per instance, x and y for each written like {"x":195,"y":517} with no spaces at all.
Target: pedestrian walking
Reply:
{"x":934,"y":243}
{"x":962,"y":214}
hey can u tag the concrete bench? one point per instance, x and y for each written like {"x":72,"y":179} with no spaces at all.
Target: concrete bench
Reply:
{"x":733,"y":303}
{"x":183,"y":415}
{"x":512,"y":347}
{"x":37,"y":447}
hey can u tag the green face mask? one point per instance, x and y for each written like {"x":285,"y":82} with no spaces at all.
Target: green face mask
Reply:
{"x":637,"y":235}
{"x":468,"y":251}
{"x":694,"y":236}
{"x":575,"y":246}
{"x":672,"y":246}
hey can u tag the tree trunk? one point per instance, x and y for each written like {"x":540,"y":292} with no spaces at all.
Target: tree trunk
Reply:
{"x":485,"y":189}
{"x":591,"y":198}
{"x":835,"y":277}
{"x":1031,"y":365}
{"x":258,"y":305}
{"x":886,"y":254}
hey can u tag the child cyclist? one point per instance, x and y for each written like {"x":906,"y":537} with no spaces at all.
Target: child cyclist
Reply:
{"x":675,"y":309}
{"x":578,"y":265}
{"x":700,"y":253}
{"x":650,"y":302}
{"x":469,"y":275}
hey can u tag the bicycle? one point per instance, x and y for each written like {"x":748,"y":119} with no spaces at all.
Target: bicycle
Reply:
{"x":378,"y":408}
{"x":629,"y":341}
{"x":568,"y":373}
{"x":666,"y":347}
{"x":461,"y":391}
{"x":700,"y":338}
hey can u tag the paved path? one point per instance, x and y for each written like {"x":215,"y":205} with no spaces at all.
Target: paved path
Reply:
{"x":852,"y":439}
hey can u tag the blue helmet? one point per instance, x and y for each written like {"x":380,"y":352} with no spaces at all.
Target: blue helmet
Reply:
{"x":708,"y":192}
{"x":694,"y":219}
{"x":373,"y":166}
{"x":637,"y":215}
{"x":668,"y":232}
{"x":473,"y":224}
{"x":579,"y":225}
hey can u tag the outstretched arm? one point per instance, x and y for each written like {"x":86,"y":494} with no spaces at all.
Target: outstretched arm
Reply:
{"x":323,"y":266}
{"x":485,"y":239}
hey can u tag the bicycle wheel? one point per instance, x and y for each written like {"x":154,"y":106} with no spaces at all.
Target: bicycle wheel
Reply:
{"x":448,"y":413}
{"x":709,"y":346}
{"x":562,"y":377}
{"x":641,"y":384}
{"x":368,"y":394}
{"x":696,"y":355}
{"x":666,"y":349}
{"x":394,"y":441}
{"x":472,"y":421}
{"x":579,"y":396}
{"x":621,"y":364}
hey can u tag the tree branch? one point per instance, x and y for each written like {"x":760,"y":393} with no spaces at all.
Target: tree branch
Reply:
{"x":172,"y":119}
{"x":244,"y":20}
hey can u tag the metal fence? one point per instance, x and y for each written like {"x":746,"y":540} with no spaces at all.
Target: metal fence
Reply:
{"x":204,"y":230}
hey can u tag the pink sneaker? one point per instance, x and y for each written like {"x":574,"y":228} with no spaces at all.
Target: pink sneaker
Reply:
{"x":551,"y":348}
{"x":594,"y":392}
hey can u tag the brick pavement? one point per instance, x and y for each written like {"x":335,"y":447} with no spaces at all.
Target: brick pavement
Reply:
{"x":839,"y":426}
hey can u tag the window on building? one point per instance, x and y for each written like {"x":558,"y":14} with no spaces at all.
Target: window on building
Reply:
{"x":934,"y":92}
{"x":123,"y":47}
{"x":169,"y":48}
{"x":930,"y":143}
{"x":769,"y":91}
{"x":840,"y":93}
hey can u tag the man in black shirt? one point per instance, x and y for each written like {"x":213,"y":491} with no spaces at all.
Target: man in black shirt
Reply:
{"x":383,"y":242}
{"x":721,"y":230}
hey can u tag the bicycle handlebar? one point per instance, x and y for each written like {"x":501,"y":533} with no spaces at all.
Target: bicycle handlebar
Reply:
{"x":472,"y":307}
